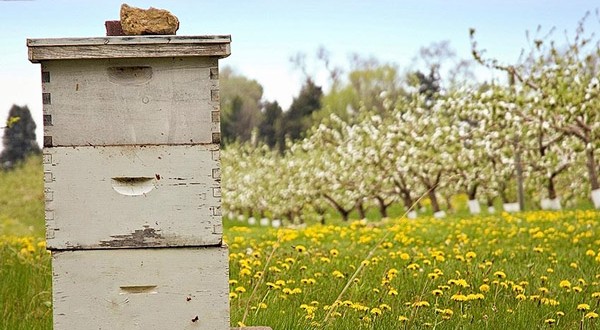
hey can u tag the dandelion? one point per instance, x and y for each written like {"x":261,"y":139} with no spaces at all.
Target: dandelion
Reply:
{"x":376,"y":311}
{"x":338,"y":274}
{"x":233,"y":295}
{"x":421,"y":303}
{"x":471,"y":255}
{"x":437,"y":292}
{"x":565,"y":284}
{"x":402,"y":318}
{"x":484,"y":288}
{"x":591,"y":315}
{"x":385,"y":307}
{"x":393,"y":292}
{"x":240,"y":289}
{"x":583,"y":307}
{"x":550,"y":321}
{"x":300,"y":248}
{"x":334,"y":252}
{"x":500,"y":274}
{"x":459,"y":297}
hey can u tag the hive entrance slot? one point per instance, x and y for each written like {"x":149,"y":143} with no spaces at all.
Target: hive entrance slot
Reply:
{"x":128,"y":289}
{"x":129,"y":75}
{"x":133,"y":186}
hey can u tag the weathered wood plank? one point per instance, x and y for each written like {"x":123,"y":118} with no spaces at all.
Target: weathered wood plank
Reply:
{"x":132,"y":196}
{"x":184,"y":288}
{"x":128,"y":47}
{"x":130,"y":101}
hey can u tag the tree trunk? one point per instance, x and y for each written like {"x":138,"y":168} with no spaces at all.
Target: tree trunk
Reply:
{"x":472,"y":191}
{"x":551,"y":188}
{"x":433,"y":198}
{"x":519,"y":168}
{"x":382,"y":207}
{"x":360,"y":207}
{"x":591,"y":167}
{"x":343,"y":212}
{"x":449,"y":202}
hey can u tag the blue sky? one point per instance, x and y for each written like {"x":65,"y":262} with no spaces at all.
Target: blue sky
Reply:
{"x":266,"y":33}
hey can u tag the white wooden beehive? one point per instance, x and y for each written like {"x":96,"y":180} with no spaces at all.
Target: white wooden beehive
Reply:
{"x":146,"y":289}
{"x":132,"y":181}
{"x":132,"y":196}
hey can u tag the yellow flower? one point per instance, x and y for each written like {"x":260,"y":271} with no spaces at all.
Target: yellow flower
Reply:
{"x":240,"y":289}
{"x":421,"y":303}
{"x":402,"y":318}
{"x":521,"y":297}
{"x":500,"y":274}
{"x":337,"y":274}
{"x":300,"y":248}
{"x":232,"y":295}
{"x":334,"y":252}
{"x":459,"y":297}
{"x":471,"y":255}
{"x":583,"y":307}
{"x":591,"y":315}
{"x":376,"y":311}
{"x":565,"y":284}
{"x":550,"y":321}
{"x":484,"y":288}
{"x":385,"y":307}
{"x":393,"y":292}
{"x":437,"y":292}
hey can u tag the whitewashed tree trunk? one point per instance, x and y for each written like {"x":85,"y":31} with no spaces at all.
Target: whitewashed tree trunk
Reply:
{"x":474,"y":206}
{"x":412,"y":214}
{"x":551,"y":204}
{"x":596,"y":198}
{"x":511,"y":207}
{"x":439,"y":214}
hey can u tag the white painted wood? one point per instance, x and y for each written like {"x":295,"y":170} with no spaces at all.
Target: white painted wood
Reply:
{"x":474,"y":206}
{"x":183,"y":288}
{"x":131,"y":101}
{"x":128,"y":47}
{"x":132,"y":196}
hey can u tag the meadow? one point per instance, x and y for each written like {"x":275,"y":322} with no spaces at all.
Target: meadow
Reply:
{"x":532,"y":269}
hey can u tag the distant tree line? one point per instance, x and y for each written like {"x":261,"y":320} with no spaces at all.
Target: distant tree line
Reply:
{"x":19,"y":140}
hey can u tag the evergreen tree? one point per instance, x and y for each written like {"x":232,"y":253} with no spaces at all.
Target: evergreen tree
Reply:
{"x":270,"y":127}
{"x":297,"y":119}
{"x":19,"y":137}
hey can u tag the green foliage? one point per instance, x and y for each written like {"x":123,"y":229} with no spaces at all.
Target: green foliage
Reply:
{"x":296,"y":120}
{"x":19,"y":137}
{"x":240,"y":105}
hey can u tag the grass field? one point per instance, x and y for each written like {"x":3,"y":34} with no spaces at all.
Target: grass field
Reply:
{"x":513,"y":271}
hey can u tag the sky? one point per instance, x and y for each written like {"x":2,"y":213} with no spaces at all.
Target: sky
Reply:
{"x":267,"y":33}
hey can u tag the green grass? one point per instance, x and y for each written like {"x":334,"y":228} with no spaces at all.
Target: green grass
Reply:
{"x":389,"y":269}
{"x":523,"y":259}
{"x":25,"y":284}
{"x":25,"y":276}
{"x":22,"y":199}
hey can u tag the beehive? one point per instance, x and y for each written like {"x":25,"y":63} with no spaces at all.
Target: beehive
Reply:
{"x":132,"y":181}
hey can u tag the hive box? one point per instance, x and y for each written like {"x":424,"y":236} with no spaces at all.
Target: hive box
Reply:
{"x":182,"y":288}
{"x":130,"y":90}
{"x":125,"y":196}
